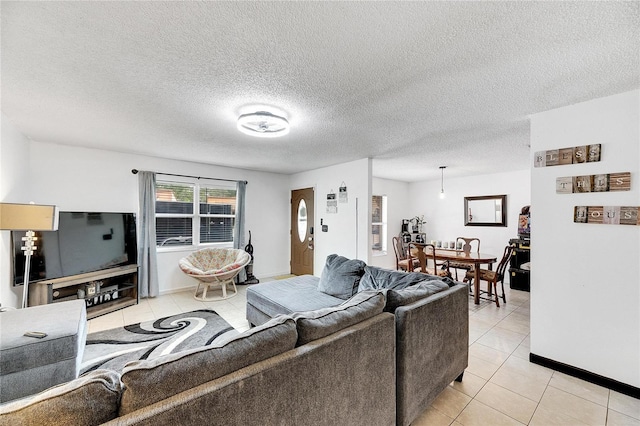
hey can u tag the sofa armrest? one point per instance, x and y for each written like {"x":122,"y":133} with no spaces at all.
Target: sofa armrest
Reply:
{"x":432,"y":341}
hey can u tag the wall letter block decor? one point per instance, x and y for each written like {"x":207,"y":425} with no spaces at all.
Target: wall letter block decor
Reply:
{"x":559,"y":157}
{"x":607,"y":215}
{"x":594,"y":183}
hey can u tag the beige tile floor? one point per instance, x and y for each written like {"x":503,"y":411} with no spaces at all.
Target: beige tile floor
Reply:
{"x":500,"y":386}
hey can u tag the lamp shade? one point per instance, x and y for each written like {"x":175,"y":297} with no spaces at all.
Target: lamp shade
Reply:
{"x":28,"y":217}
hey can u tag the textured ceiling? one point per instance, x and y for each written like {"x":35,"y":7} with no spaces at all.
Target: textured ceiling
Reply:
{"x":413,"y":85}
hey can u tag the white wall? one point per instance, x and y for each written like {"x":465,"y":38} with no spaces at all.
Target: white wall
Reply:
{"x":343,"y":237}
{"x":397,"y":193}
{"x":445,"y":217}
{"x":14,"y":188}
{"x":83,"y":179}
{"x":585,"y":282}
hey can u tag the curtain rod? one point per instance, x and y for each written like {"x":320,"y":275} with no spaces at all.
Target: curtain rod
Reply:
{"x":135,"y":172}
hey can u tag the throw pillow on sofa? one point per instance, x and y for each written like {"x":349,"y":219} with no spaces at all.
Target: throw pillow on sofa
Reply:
{"x":149,"y":381}
{"x":341,"y":276}
{"x":413,"y":293}
{"x":313,"y":325}
{"x":90,"y":399}
{"x":378,"y":279}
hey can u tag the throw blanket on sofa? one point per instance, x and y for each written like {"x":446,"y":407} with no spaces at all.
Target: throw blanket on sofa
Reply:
{"x":384,"y":279}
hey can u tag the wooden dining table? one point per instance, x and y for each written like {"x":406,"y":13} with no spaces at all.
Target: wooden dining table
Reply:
{"x":473,"y":258}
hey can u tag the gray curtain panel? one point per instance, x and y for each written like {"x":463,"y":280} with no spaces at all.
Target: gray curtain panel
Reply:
{"x":238,"y":230}
{"x":147,"y":258}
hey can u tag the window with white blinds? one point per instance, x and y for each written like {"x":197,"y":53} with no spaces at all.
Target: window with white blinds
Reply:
{"x":379,"y":224}
{"x":194,"y":214}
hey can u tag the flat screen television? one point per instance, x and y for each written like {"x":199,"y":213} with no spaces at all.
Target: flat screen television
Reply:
{"x":84,"y":242}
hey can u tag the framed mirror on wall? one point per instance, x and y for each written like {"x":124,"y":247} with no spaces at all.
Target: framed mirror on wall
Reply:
{"x":486,"y":210}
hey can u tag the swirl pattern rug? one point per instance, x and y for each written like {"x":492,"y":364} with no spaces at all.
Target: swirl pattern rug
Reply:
{"x":114,"y":348}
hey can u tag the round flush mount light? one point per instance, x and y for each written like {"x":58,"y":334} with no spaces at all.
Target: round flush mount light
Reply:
{"x":263,"y":125}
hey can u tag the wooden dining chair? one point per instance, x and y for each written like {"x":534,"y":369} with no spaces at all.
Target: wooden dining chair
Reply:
{"x":403,"y":258}
{"x":492,"y":278}
{"x":468,"y":245}
{"x":427,"y":253}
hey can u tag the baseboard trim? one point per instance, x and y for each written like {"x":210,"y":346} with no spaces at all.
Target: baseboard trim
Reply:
{"x":586,"y":375}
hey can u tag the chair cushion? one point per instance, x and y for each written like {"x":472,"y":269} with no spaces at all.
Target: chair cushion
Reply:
{"x":488,"y":275}
{"x":88,"y":400}
{"x":405,"y":263}
{"x":149,"y":381}
{"x":211,"y":261}
{"x":485,"y":275}
{"x":460,"y":265}
{"x":317,"y":324}
{"x":341,"y":276}
{"x":438,"y":272}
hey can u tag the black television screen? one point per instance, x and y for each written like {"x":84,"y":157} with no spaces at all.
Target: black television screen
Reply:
{"x":84,"y":242}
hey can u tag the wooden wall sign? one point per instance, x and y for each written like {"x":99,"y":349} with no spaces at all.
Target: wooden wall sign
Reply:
{"x":607,"y":215}
{"x":594,"y":183}
{"x":560,"y":157}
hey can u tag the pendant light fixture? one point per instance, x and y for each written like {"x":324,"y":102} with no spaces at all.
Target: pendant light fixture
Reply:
{"x":442,"y":195}
{"x":263,"y":124}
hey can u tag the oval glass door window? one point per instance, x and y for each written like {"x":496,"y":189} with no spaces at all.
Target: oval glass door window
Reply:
{"x":302,"y":220}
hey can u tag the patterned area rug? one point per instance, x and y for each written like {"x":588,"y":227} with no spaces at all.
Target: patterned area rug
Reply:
{"x":114,"y":348}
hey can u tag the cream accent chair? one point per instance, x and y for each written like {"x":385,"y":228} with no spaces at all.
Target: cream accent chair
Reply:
{"x":214,"y":266}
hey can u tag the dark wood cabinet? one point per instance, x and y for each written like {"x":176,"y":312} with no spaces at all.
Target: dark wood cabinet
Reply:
{"x":519,"y":269}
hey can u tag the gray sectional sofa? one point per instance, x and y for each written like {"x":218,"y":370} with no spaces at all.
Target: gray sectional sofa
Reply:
{"x":326,"y":368}
{"x":347,"y":362}
{"x":431,"y":320}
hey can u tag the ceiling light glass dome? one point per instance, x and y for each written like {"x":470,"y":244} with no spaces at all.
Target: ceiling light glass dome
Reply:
{"x":263,"y":124}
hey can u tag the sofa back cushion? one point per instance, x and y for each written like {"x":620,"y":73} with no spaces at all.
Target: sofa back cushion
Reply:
{"x":378,"y":279}
{"x":413,"y":293}
{"x":313,"y":325}
{"x":341,"y":276}
{"x":149,"y":381}
{"x":88,"y":400}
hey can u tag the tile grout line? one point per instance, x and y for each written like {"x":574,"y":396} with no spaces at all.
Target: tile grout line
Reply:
{"x":487,"y":381}
{"x":494,"y":373}
{"x":538,"y":403}
{"x":606,"y":417}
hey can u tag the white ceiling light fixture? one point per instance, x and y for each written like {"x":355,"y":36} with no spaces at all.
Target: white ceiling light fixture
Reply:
{"x":263,"y":124}
{"x":442,"y":195}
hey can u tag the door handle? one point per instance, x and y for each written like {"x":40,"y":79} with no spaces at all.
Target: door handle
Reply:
{"x":310,"y":244}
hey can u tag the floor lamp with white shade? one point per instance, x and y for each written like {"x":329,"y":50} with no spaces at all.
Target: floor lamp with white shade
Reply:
{"x":28,"y":218}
